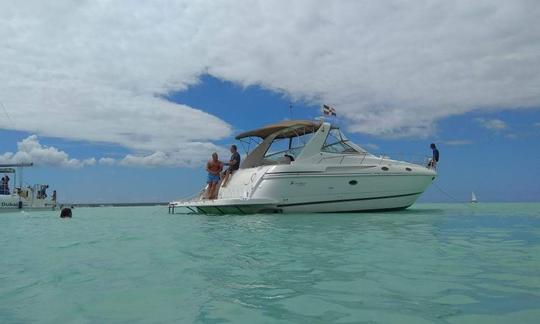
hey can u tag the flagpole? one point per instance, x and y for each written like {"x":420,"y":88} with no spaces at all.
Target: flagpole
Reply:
{"x":290,"y":110}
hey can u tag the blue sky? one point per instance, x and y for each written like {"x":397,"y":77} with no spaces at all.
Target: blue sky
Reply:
{"x":124,"y":101}
{"x":498,"y":164}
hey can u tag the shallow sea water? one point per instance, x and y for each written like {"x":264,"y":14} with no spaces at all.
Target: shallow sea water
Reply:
{"x":433,"y":263}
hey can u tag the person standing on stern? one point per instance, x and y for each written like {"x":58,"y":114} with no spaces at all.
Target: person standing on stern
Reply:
{"x":214,"y":168}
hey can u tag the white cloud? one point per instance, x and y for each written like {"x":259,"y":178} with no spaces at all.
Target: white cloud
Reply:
{"x":192,"y":155}
{"x":152,"y":160}
{"x":95,"y":70}
{"x":537,"y":124}
{"x":458,"y":142}
{"x":107,"y":161}
{"x":493,"y":124}
{"x":31,"y":150}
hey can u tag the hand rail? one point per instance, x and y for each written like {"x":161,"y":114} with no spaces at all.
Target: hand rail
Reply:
{"x":414,"y":158}
{"x":380,"y":158}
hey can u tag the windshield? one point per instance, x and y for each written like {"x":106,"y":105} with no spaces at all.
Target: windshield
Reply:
{"x":337,"y":143}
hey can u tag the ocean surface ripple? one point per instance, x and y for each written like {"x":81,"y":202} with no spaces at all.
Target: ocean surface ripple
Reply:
{"x":433,"y":263}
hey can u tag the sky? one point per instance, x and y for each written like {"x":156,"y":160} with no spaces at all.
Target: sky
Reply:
{"x":121,"y":101}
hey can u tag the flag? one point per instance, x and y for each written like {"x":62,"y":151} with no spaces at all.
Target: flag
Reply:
{"x":328,"y":111}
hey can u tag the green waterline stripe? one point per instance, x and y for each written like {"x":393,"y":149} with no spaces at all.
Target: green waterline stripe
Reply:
{"x":346,"y":200}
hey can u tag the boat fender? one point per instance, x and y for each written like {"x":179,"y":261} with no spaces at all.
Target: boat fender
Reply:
{"x":20,"y":204}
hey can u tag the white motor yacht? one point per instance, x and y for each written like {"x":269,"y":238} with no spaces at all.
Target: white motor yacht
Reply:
{"x":304,"y":166}
{"x":16,"y":197}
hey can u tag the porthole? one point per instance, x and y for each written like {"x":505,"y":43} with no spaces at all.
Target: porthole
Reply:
{"x":385,"y":168}
{"x":408,"y":169}
{"x":353,"y":182}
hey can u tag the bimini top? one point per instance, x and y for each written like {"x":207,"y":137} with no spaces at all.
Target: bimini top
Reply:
{"x":16,"y":165}
{"x":309,"y":126}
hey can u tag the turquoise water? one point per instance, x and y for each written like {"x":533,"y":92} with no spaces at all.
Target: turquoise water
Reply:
{"x":434,"y":263}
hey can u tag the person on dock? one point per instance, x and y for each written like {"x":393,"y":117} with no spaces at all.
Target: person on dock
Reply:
{"x":214,"y":168}
{"x":435,"y":157}
{"x":234,"y":164}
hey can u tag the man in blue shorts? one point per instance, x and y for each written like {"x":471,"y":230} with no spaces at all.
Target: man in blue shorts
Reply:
{"x":214,"y":168}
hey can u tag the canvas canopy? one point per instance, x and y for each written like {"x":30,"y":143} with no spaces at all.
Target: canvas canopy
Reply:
{"x":307,"y":125}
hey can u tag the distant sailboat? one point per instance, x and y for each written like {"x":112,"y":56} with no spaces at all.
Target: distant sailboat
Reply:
{"x":473,"y":198}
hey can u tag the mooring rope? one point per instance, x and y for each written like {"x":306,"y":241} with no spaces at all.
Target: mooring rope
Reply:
{"x":450,"y":196}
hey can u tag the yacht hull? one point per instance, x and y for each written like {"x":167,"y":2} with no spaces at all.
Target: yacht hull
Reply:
{"x":345,"y":192}
{"x":314,"y":192}
{"x":361,"y":204}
